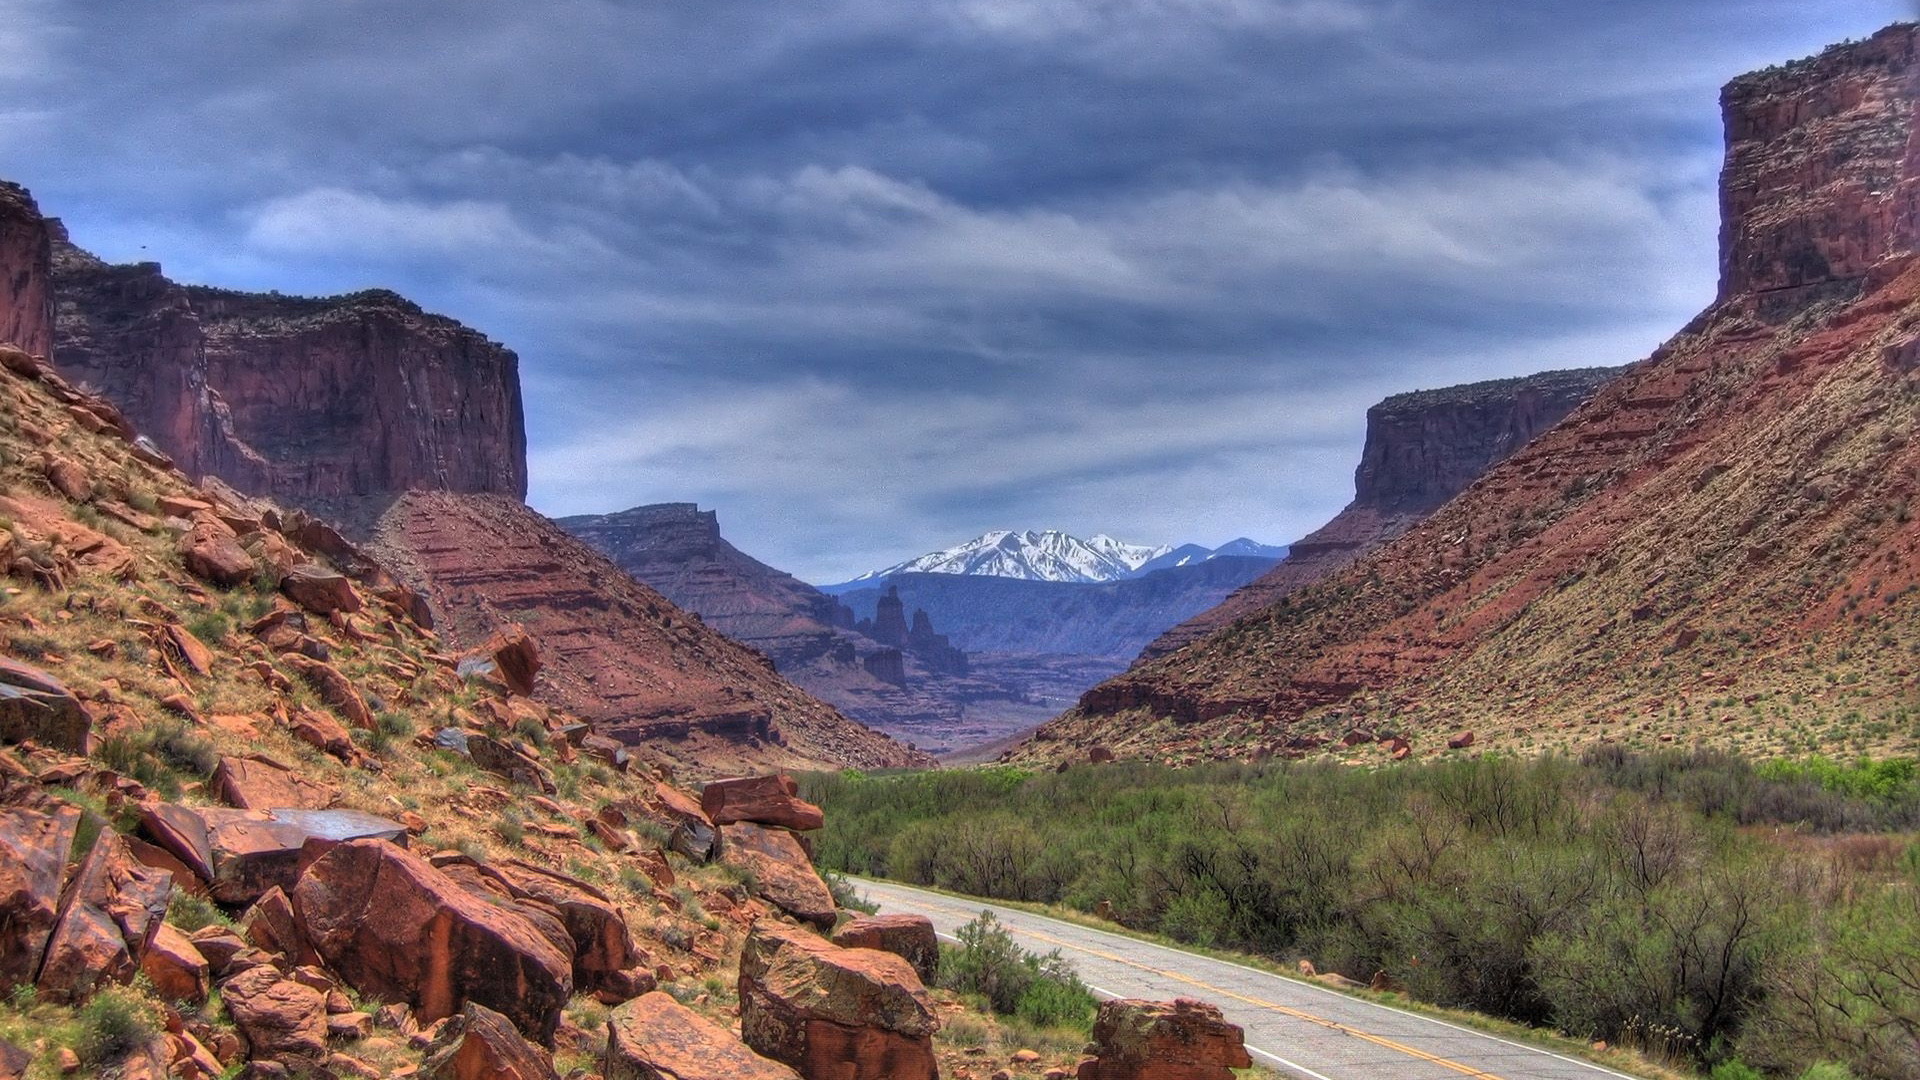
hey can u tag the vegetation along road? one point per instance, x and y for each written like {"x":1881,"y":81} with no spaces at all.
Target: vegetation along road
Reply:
{"x":1297,"y":1028}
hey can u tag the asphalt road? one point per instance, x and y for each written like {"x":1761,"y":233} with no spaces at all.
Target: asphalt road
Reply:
{"x":1297,"y":1028}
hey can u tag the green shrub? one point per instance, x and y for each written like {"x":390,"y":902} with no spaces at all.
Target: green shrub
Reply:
{"x":846,"y":895}
{"x":1735,"y":1070}
{"x":1827,"y":1070}
{"x":188,"y":912}
{"x":114,"y":1023}
{"x":1042,"y":990}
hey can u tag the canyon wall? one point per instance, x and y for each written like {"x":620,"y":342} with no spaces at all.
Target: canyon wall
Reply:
{"x":313,"y":400}
{"x":1422,"y":448}
{"x":26,"y":273}
{"x":1719,"y":548}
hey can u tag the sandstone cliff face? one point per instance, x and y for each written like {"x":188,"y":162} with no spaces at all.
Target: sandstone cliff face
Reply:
{"x":1719,"y":547}
{"x":26,"y":273}
{"x":1421,"y":449}
{"x":617,"y":653}
{"x":308,"y":399}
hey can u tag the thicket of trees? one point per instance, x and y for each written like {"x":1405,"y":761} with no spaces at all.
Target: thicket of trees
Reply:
{"x":1687,"y":904}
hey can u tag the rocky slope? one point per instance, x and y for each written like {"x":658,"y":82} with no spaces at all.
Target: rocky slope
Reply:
{"x":619,"y":654}
{"x":344,"y":404}
{"x":1421,"y":449}
{"x":1718,"y":547}
{"x":254,"y":821}
{"x":301,"y":398}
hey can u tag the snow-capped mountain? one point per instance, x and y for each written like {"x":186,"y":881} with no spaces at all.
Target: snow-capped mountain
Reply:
{"x":1029,"y":556}
{"x":1189,"y":554}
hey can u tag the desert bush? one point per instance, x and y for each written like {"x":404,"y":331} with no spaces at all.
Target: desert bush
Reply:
{"x":113,"y":1023}
{"x":1616,"y":895}
{"x":1042,"y":990}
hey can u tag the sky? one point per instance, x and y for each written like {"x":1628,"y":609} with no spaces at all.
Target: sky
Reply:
{"x":870,"y":278}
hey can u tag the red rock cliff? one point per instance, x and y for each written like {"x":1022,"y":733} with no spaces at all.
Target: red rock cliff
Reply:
{"x":1422,"y":449}
{"x":1720,"y":547}
{"x":26,"y":291}
{"x":302,"y":398}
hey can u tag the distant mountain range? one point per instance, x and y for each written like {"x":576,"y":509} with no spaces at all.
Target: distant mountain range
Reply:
{"x":1055,"y":556}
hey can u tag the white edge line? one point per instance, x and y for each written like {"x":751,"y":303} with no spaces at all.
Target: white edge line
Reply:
{"x":1105,"y":993}
{"x":1602,"y":1069}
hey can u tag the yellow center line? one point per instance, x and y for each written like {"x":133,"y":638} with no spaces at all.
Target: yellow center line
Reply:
{"x":1298,"y":1014}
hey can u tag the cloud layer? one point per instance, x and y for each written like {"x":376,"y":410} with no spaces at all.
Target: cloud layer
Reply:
{"x":872,"y":278}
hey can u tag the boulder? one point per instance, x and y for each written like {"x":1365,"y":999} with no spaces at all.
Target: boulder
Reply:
{"x":243,"y":853}
{"x":215,"y":557}
{"x":33,"y":857}
{"x":176,"y":968}
{"x":257,"y":782}
{"x":909,"y":937}
{"x":34,"y":705}
{"x":780,"y":869}
{"x":271,"y":926}
{"x":320,"y":590}
{"x":764,"y":800}
{"x":654,"y":1037}
{"x":13,"y":1061}
{"x":334,"y":688}
{"x":218,"y":944}
{"x":602,"y":945}
{"x":1460,"y":741}
{"x":109,"y":913}
{"x":68,"y":477}
{"x":477,"y":1043}
{"x":501,"y":758}
{"x":1157,"y":1040}
{"x":282,"y":1020}
{"x":849,"y":1014}
{"x":693,"y":834}
{"x":394,"y":927}
{"x":515,"y":657}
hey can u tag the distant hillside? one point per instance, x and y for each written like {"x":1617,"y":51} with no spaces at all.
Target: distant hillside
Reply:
{"x":1114,"y":620}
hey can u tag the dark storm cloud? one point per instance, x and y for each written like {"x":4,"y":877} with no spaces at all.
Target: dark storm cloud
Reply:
{"x":873,"y":277}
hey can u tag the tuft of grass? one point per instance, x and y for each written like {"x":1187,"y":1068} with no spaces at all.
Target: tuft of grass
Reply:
{"x":114,"y":1023}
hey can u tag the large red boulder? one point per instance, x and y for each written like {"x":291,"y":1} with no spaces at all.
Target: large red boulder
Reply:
{"x":320,"y":590}
{"x":33,"y":857}
{"x":692,"y":834}
{"x":909,"y":937}
{"x":1157,"y":1040}
{"x":477,"y":1043}
{"x":780,"y":870}
{"x":845,"y":1014}
{"x":602,"y":945}
{"x":257,"y":782}
{"x":512,"y":655}
{"x":243,"y":853}
{"x":35,"y":705}
{"x":333,"y":687}
{"x":394,"y":927}
{"x":654,"y":1037}
{"x":175,"y":966}
{"x":764,"y":800}
{"x":282,"y":1020}
{"x":109,"y":913}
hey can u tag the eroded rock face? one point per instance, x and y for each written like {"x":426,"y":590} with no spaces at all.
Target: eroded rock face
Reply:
{"x":26,"y":273}
{"x":764,"y":800}
{"x":396,"y":928}
{"x":1421,"y":449}
{"x":782,"y":873}
{"x":1156,"y":1040}
{"x":849,"y":1014}
{"x":909,"y":937}
{"x":297,"y":397}
{"x":654,"y":1037}
{"x":240,"y":854}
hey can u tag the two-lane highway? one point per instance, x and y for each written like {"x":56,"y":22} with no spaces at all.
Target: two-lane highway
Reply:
{"x":1298,"y":1028}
